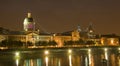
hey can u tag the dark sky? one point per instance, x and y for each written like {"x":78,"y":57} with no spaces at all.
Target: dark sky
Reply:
{"x":62,"y":15}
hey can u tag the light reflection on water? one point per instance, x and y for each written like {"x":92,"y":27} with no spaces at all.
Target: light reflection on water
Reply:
{"x":17,"y":62}
{"x":46,"y":60}
{"x":70,"y":60}
{"x":88,"y":57}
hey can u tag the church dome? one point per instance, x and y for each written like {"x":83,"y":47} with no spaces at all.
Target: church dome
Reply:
{"x":29,"y":24}
{"x":29,"y":19}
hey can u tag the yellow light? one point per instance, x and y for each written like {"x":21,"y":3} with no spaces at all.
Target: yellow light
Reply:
{"x":118,"y":48}
{"x":46,"y":60}
{"x":89,"y":56}
{"x":89,"y":50}
{"x":17,"y":62}
{"x":112,"y":41}
{"x":46,"y":52}
{"x":106,"y":53}
{"x":17,"y":54}
{"x":105,"y":49}
{"x":70,"y":60}
{"x":69,"y":51}
{"x":91,"y":31}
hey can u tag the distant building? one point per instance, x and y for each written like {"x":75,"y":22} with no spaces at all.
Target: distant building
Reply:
{"x":33,"y":36}
{"x":110,"y":39}
{"x":29,"y":34}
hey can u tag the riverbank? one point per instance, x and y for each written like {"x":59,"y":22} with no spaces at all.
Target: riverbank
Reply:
{"x":57,"y":48}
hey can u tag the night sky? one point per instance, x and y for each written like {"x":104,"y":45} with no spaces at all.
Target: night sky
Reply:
{"x":62,"y":15}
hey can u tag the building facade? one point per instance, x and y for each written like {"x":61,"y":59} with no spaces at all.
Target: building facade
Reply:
{"x":31,"y":35}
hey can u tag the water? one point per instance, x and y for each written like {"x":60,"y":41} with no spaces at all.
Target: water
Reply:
{"x":62,"y":57}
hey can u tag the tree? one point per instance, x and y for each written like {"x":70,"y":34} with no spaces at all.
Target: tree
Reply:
{"x":11,"y":43}
{"x":90,"y":42}
{"x":53,"y":43}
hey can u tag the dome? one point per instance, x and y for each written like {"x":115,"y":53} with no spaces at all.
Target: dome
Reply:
{"x":29,"y":19}
{"x":29,"y":24}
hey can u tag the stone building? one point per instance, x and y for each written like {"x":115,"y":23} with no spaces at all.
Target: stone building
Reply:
{"x":30,"y":34}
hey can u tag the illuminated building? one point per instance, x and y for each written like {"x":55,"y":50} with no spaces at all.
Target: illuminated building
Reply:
{"x":77,"y":36}
{"x":110,"y":39}
{"x":90,"y":31}
{"x":29,"y":24}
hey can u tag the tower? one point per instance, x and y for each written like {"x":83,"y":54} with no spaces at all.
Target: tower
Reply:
{"x":79,"y":28}
{"x":29,"y":24}
{"x":90,"y":28}
{"x":90,"y":31}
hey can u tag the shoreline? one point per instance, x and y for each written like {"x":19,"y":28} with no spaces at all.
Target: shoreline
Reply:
{"x":64,"y":47}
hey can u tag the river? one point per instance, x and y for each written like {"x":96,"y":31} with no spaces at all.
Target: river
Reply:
{"x":90,"y":56}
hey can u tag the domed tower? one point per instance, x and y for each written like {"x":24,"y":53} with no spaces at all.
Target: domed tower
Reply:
{"x":29,"y":24}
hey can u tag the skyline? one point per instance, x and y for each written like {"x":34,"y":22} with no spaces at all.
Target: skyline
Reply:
{"x":64,"y":15}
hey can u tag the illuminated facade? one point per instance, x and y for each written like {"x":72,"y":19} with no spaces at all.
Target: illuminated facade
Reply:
{"x":31,"y":35}
{"x":110,"y":40}
{"x":29,"y":24}
{"x":90,"y":31}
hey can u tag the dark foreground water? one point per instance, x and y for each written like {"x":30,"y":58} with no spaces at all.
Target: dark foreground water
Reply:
{"x":106,"y":56}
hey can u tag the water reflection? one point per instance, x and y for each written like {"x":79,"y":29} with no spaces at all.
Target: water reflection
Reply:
{"x":17,"y":58}
{"x":17,"y":62}
{"x":119,"y":60}
{"x":86,"y":61}
{"x":32,"y":62}
{"x":46,"y":60}
{"x":59,"y":63}
{"x":87,"y":57}
{"x":70,"y":60}
{"x":106,"y":57}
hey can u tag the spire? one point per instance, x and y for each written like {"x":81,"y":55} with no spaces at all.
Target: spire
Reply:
{"x":90,"y":28}
{"x":90,"y":31}
{"x":78,"y":28}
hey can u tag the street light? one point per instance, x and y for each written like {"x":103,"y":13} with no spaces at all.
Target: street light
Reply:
{"x":69,"y":51}
{"x":46,"y":52}
{"x":17,"y":54}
